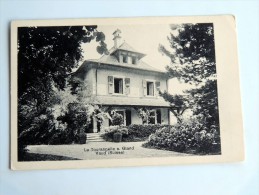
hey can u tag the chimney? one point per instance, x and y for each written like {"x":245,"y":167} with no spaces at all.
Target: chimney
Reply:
{"x":117,"y":38}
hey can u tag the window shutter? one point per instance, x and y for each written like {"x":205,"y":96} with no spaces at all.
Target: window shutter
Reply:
{"x":144,"y":84}
{"x":110,"y":84}
{"x":128,"y":117}
{"x":127,"y":85}
{"x":158,"y":116}
{"x":157,"y":87}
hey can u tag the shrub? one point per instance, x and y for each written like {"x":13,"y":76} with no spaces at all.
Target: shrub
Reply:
{"x":141,"y":132}
{"x":81,"y":138}
{"x":132,"y":132}
{"x":48,"y":129}
{"x":110,"y":131}
{"x":59,"y":138}
{"x":186,"y":138}
{"x":117,"y":119}
{"x":117,"y":136}
{"x":40,"y":131}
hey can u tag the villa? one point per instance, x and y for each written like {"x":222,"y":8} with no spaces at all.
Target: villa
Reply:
{"x":122,"y":82}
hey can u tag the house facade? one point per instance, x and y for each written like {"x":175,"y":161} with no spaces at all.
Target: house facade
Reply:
{"x":123,"y":83}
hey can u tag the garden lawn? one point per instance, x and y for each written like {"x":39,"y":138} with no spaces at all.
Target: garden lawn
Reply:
{"x":43,"y":157}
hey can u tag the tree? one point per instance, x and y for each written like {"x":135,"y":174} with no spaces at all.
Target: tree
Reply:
{"x":47,"y":55}
{"x":193,"y":52}
{"x":46,"y":58}
{"x":64,"y":121}
{"x":178,"y":104}
{"x":192,"y":57}
{"x":80,"y":112}
{"x":204,"y":101}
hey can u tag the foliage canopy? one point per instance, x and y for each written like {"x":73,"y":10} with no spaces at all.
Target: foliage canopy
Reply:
{"x":192,"y":54}
{"x":47,"y":55}
{"x":47,"y":110}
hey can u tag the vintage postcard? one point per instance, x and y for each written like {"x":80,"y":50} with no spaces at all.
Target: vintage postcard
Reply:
{"x":113,"y":92}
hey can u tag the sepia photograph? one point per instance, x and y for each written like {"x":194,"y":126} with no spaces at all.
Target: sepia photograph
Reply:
{"x":116,"y":91}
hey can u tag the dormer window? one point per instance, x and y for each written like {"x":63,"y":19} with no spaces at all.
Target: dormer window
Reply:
{"x":123,"y":52}
{"x":125,"y":59}
{"x":128,"y":59}
{"x":134,"y":60}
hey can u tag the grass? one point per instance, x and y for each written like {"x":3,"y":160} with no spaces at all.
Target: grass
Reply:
{"x":42,"y":157}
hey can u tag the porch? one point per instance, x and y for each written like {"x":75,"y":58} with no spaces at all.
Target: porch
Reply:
{"x":130,"y":116}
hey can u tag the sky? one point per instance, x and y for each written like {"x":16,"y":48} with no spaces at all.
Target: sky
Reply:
{"x":143,"y":38}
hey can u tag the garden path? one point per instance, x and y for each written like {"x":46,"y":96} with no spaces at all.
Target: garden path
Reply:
{"x":102,"y":150}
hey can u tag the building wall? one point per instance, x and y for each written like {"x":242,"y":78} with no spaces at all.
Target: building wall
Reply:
{"x":90,"y":80}
{"x":164,"y":116}
{"x":135,"y":119}
{"x":136,"y":79}
{"x":136,"y":88}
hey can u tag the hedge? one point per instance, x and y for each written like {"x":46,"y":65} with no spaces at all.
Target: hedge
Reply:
{"x":132,"y":132}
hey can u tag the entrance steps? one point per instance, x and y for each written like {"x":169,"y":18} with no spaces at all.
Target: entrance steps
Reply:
{"x":94,"y":137}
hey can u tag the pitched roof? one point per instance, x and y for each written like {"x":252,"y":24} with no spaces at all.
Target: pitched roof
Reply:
{"x":125,"y":46}
{"x":132,"y":101}
{"x":112,"y":60}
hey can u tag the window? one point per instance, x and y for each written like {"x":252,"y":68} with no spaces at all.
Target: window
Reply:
{"x":122,"y":113}
{"x":118,"y":85}
{"x":150,"y":88}
{"x":153,"y":118}
{"x":134,"y":60}
{"x":158,"y":116}
{"x":128,"y":117}
{"x":125,"y":60}
{"x":126,"y":114}
{"x":115,"y":120}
